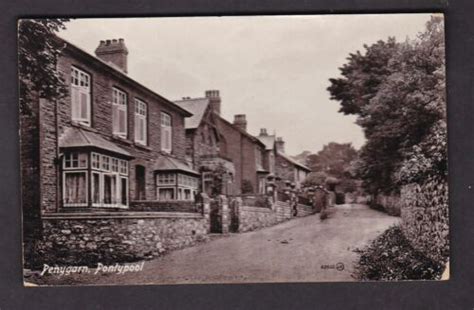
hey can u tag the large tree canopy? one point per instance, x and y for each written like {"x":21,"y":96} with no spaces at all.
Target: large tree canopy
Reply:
{"x":38,"y":49}
{"x":398,"y":92}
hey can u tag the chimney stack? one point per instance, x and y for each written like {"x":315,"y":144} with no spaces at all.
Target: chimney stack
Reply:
{"x":280,"y":145}
{"x":263,"y":132}
{"x":113,"y":51}
{"x":240,"y":121}
{"x":215,"y":100}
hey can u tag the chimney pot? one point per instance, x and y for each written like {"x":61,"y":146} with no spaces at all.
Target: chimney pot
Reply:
{"x":113,"y":51}
{"x":214,"y":100}
{"x":263,"y":132}
{"x":280,"y":144}
{"x":240,"y":121}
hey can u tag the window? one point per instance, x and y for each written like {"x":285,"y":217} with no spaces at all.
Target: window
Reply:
{"x":80,"y":96}
{"x":108,"y":178}
{"x":75,"y":189}
{"x":171,"y":186}
{"x":140,"y":122}
{"x":166,"y":132}
{"x":75,"y":160}
{"x":119,"y":113}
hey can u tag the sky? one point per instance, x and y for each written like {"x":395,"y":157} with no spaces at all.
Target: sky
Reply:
{"x":274,"y":69}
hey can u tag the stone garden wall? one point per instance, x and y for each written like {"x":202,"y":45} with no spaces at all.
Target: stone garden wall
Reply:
{"x":424,"y":212}
{"x":86,"y":239}
{"x":252,"y":218}
{"x":304,"y":210}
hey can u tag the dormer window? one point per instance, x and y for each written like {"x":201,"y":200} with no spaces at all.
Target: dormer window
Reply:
{"x":140,"y":122}
{"x":119,"y":112}
{"x":80,"y":96}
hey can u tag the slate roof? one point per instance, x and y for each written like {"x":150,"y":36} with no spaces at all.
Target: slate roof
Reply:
{"x":197,"y":107}
{"x":294,"y":162}
{"x":165,"y":163}
{"x":77,"y":137}
{"x":269,"y":141}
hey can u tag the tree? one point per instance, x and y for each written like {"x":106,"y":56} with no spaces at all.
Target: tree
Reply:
{"x":315,"y":179}
{"x":38,"y":49}
{"x":334,"y":159}
{"x":397,"y":90}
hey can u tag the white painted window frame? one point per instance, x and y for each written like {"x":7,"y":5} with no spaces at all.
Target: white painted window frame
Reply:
{"x":119,"y":105}
{"x":166,"y":132}
{"x":80,"y":85}
{"x":141,"y":115}
{"x":76,"y":205}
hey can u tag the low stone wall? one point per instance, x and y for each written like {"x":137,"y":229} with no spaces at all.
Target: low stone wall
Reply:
{"x":252,"y":218}
{"x":85,"y":239}
{"x":164,"y":206}
{"x":282,"y":210}
{"x":304,"y":210}
{"x":425,"y":218}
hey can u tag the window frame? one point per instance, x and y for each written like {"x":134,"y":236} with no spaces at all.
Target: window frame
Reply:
{"x":86,"y":89}
{"x":166,"y":126}
{"x":179,"y":182}
{"x":141,"y":113}
{"x":75,"y":205}
{"x":119,"y":102}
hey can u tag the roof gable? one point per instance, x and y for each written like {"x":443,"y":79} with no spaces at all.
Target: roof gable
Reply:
{"x":197,"y":107}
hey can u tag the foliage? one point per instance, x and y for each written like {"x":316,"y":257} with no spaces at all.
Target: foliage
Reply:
{"x":38,"y":49}
{"x":247,"y":186}
{"x":218,"y":175}
{"x":334,"y":159}
{"x":332,"y":166}
{"x":315,"y":179}
{"x":397,"y":90}
{"x":391,"y":257}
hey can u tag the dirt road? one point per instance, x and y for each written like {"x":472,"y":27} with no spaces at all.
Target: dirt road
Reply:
{"x":300,"y":250}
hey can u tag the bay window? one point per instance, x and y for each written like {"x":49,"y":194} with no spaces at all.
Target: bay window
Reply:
{"x":119,"y":112}
{"x":140,"y":122}
{"x":80,"y":96}
{"x":176,"y":186}
{"x":107,"y":176}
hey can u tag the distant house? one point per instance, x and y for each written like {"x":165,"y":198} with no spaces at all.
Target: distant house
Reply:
{"x":247,"y":154}
{"x":281,"y":166}
{"x":213,"y":141}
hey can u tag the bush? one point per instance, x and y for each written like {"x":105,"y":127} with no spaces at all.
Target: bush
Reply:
{"x":391,"y":257}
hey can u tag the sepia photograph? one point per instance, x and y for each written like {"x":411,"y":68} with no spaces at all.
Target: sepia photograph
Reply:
{"x":233,"y":149}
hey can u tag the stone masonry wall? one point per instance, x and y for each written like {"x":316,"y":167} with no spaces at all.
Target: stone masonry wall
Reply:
{"x":425,"y":218}
{"x":117,"y":238}
{"x":304,"y":210}
{"x":252,"y":218}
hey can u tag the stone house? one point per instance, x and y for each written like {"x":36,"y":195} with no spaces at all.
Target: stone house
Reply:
{"x":213,"y":141}
{"x":109,"y":144}
{"x":246,"y":152}
{"x":206,"y":146}
{"x":283,"y":169}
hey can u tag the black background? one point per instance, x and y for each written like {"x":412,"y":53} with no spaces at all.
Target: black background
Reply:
{"x":457,"y":293}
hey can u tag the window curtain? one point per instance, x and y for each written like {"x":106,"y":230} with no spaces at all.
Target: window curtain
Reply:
{"x":76,"y":190}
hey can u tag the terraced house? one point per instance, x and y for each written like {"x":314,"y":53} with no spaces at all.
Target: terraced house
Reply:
{"x":111,"y":145}
{"x":114,"y":165}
